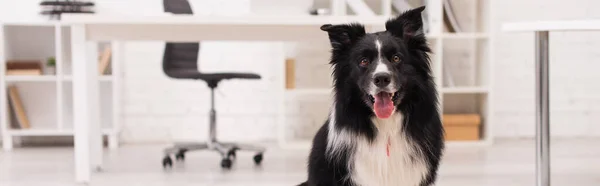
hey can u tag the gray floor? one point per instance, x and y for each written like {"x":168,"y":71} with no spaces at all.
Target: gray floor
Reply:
{"x":506,"y":163}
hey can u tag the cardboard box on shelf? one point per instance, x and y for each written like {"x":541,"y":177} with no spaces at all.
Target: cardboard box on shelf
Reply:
{"x":23,"y":67}
{"x":290,"y":73}
{"x":462,"y":127}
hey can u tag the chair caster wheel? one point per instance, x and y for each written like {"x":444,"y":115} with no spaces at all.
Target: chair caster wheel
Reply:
{"x":180,"y":156}
{"x":226,"y":163}
{"x":167,"y":162}
{"x":258,"y":158}
{"x":231,"y":154}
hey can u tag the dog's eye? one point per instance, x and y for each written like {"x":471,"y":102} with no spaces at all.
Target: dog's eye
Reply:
{"x":364,"y":62}
{"x":396,"y":58}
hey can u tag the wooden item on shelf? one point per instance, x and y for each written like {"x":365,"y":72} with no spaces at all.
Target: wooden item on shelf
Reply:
{"x":24,"y":72}
{"x":462,"y":127}
{"x":18,"y":67}
{"x":450,"y":19}
{"x":290,"y":73}
{"x":17,"y":107}
{"x":14,"y":124}
{"x":104,"y":61}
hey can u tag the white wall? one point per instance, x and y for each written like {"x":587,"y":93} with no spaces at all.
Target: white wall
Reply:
{"x":157,"y":108}
{"x":575,"y":93}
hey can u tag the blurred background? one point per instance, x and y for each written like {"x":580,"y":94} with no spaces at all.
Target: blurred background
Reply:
{"x":485,"y":78}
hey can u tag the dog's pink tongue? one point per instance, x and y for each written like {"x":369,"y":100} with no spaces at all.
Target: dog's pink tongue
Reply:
{"x":383,"y":105}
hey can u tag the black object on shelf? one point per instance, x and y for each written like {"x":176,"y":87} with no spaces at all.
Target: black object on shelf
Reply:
{"x":319,"y":11}
{"x":57,"y":7}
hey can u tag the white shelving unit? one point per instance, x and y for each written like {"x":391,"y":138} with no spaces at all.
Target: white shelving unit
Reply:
{"x":48,"y":99}
{"x":465,"y":90}
{"x":472,"y":95}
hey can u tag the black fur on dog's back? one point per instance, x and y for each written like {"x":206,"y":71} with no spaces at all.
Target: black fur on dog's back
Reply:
{"x":419,"y":103}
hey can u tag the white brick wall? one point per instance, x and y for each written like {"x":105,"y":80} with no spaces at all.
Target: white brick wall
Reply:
{"x":574,"y":91}
{"x":159,"y":109}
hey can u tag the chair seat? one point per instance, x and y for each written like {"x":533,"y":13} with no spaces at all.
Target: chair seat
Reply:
{"x":209,"y":77}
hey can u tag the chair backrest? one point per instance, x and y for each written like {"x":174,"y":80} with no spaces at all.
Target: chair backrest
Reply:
{"x":177,"y":6}
{"x":179,"y":55}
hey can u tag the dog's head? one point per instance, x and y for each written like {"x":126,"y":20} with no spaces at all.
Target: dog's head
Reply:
{"x":382,"y":66}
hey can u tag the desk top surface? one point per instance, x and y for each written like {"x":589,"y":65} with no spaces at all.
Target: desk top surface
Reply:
{"x":170,"y":19}
{"x":564,"y":25}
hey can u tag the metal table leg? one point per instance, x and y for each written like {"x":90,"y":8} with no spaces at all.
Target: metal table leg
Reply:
{"x":542,"y":109}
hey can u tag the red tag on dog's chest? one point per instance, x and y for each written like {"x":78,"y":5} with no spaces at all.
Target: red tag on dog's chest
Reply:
{"x":387,"y":148}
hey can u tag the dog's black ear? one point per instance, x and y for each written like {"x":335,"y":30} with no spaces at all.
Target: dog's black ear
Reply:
{"x":407,"y":24}
{"x":342,"y":36}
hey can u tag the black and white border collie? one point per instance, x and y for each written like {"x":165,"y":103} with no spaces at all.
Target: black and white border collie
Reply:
{"x":384,"y":128}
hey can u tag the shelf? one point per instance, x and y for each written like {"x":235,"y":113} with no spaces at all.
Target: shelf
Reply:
{"x":45,"y":78}
{"x":41,"y":78}
{"x":467,"y":35}
{"x":309,"y":91}
{"x":464,"y":90}
{"x":49,"y":132}
{"x":106,"y":78}
{"x":31,"y":23}
{"x":432,"y":36}
{"x":478,"y":143}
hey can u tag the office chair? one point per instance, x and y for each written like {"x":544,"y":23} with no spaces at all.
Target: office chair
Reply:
{"x":180,"y":62}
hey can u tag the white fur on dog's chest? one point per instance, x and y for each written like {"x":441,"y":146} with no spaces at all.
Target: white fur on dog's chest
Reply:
{"x":372,"y":165}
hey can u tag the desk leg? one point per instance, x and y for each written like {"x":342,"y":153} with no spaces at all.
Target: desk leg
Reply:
{"x":7,"y":140}
{"x":96,"y":141}
{"x":85,"y":105}
{"x":542,"y":109}
{"x":116,"y":64}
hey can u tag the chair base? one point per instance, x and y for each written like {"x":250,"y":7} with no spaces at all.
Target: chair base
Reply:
{"x":227,"y":151}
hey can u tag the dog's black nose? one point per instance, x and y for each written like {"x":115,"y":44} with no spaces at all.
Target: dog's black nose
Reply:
{"x":382,"y":80}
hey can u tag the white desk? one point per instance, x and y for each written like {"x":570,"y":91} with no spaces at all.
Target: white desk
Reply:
{"x":85,"y":29}
{"x":541,"y":29}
